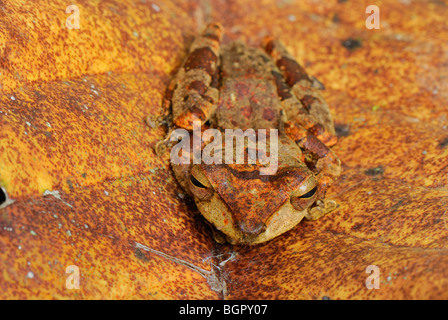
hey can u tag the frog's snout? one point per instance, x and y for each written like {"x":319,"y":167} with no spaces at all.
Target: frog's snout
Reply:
{"x":251,"y":230}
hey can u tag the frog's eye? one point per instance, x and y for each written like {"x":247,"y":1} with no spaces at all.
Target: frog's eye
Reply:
{"x":309,"y":194}
{"x":199,"y":184}
{"x":305,"y":196}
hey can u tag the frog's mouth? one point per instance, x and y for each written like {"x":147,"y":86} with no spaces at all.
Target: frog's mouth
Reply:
{"x":240,"y":232}
{"x":252,"y":199}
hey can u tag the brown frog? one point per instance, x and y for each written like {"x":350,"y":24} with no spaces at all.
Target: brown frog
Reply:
{"x":235,"y":86}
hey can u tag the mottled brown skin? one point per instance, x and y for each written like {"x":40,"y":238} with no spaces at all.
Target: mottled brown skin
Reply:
{"x":238,"y":87}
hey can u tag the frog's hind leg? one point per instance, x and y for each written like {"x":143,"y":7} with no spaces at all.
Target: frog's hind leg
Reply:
{"x":321,"y":208}
{"x":302,"y":102}
{"x":165,"y":118}
{"x":294,"y":111}
{"x":196,"y":94}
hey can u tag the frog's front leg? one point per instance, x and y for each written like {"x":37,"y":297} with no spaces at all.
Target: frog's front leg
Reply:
{"x":195,"y":96}
{"x":192,"y":94}
{"x":321,"y":208}
{"x":294,"y":111}
{"x":302,"y":102}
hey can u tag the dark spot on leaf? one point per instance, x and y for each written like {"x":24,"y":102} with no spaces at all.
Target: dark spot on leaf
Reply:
{"x":351,"y":44}
{"x":396,"y":206}
{"x":443,"y":143}
{"x":357,"y":226}
{"x":140,"y":255}
{"x":70,"y":184}
{"x":374,"y":171}
{"x":342,"y":130}
{"x":84,"y":175}
{"x":336,"y":18}
{"x":438,"y":2}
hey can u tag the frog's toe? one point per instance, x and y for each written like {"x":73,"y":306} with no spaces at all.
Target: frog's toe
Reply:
{"x":330,"y":205}
{"x":321,"y":208}
{"x":314,"y":213}
{"x":218,"y":236}
{"x":161,"y":145}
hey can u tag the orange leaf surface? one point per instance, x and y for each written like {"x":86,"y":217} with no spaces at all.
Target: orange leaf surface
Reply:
{"x":76,"y":155}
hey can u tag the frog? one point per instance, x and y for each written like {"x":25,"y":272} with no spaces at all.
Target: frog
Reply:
{"x":235,"y":86}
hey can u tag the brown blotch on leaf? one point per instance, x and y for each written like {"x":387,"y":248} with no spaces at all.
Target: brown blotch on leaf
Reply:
{"x":140,"y":255}
{"x":376,"y":171}
{"x":342,"y":130}
{"x":443,"y":143}
{"x":351,"y":44}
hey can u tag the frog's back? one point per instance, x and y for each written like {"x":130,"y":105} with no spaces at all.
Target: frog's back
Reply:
{"x":248,"y":94}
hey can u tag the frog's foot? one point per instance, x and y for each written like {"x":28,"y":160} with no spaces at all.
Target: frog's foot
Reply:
{"x":195,"y":95}
{"x":160,"y":146}
{"x":154,"y":121}
{"x":321,"y":208}
{"x":217,"y":235}
{"x":299,"y":93}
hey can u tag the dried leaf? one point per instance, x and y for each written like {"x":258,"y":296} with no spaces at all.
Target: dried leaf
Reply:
{"x":77,"y":156}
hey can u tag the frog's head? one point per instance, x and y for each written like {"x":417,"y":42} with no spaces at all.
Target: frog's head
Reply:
{"x":252,"y":208}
